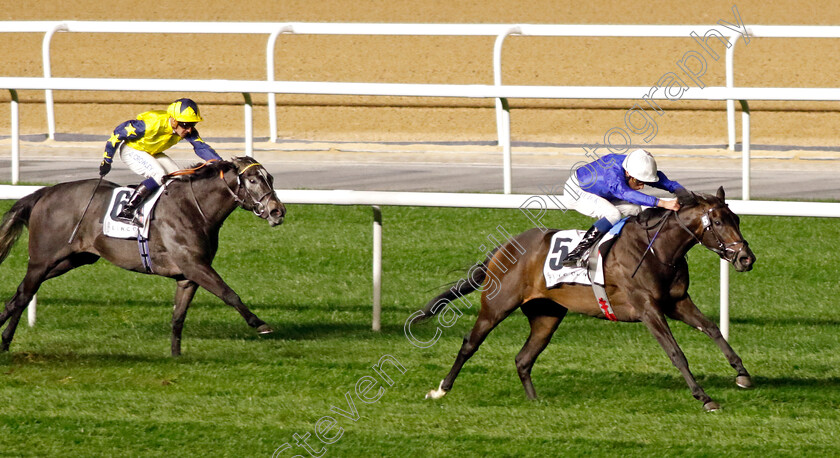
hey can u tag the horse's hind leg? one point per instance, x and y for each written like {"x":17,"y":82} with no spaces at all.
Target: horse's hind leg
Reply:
{"x":9,"y":332}
{"x":17,"y":304}
{"x":686,"y":311}
{"x":544,"y":318}
{"x":35,"y":276}
{"x":183,"y":296}
{"x":487,"y":320}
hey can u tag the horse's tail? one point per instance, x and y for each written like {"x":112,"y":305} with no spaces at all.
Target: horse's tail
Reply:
{"x":475,"y":278}
{"x":11,"y":226}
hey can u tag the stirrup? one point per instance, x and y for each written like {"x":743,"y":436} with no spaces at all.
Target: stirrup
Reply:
{"x":124,"y":219}
{"x":131,"y":219}
{"x":575,"y":261}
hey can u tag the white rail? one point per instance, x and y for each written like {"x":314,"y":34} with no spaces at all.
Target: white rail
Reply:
{"x":377,"y":199}
{"x":273,"y":30}
{"x":497,"y":91}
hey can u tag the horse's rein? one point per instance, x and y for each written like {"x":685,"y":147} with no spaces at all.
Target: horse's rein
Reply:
{"x":722,"y":248}
{"x":661,"y":224}
{"x":192,"y":171}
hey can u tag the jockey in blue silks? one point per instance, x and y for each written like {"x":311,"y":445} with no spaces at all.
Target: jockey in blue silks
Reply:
{"x":608,"y":189}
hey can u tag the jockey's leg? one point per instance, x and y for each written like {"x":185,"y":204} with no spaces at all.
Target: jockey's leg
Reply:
{"x":151,"y":167}
{"x":597,"y":207}
{"x":628,"y":209}
{"x":575,"y":258}
{"x":168,"y":164}
{"x":141,"y":193}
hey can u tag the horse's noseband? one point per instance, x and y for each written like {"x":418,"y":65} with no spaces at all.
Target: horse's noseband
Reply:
{"x":724,"y":250}
{"x":257,"y":205}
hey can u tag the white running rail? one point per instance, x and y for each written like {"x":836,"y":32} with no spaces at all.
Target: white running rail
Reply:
{"x":273,"y":30}
{"x":378,"y":199}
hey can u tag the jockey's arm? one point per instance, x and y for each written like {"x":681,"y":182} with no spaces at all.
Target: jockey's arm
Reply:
{"x":619,"y":189}
{"x":202,"y":150}
{"x":670,"y":186}
{"x":129,"y":130}
{"x":665,"y":183}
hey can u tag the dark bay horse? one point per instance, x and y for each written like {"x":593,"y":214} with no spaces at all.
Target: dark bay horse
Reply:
{"x":658,"y":289}
{"x":183,"y":239}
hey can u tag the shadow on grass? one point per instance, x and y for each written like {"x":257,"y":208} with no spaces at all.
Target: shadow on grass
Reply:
{"x":586,"y":384}
{"x":211,"y":302}
{"x":291,"y":331}
{"x":786,"y":321}
{"x":24,"y":358}
{"x":798,"y":382}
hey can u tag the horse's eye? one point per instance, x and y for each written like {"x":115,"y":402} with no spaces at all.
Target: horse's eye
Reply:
{"x":252,"y":180}
{"x":718,"y":223}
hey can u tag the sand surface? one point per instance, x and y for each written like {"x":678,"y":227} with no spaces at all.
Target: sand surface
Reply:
{"x":464,"y":60}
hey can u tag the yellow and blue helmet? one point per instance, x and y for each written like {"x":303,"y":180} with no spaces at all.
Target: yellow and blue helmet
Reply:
{"x":184,"y":110}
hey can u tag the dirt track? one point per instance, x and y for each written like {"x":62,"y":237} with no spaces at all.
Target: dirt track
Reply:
{"x":528,"y":60}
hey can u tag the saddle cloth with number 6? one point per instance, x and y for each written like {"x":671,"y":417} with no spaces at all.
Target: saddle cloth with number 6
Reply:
{"x":120,"y":230}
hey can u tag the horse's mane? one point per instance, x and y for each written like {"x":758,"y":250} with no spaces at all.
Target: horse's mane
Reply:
{"x":686,"y":199}
{"x":202,"y":170}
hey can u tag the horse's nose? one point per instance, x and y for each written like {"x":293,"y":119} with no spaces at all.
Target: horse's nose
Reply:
{"x":276,"y":214}
{"x":745,"y":260}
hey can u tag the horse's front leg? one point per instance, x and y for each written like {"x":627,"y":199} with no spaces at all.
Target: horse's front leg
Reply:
{"x":686,"y":311}
{"x":657,"y":325}
{"x":209,"y":279}
{"x":183,"y":297}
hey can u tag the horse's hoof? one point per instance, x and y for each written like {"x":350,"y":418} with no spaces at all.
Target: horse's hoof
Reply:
{"x":264,"y":329}
{"x":711,"y":406}
{"x":744,"y":381}
{"x":436,"y":394}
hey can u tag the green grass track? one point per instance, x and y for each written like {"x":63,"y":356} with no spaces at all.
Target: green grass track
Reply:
{"x":94,"y":376}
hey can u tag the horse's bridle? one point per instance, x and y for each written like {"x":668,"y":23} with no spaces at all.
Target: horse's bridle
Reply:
{"x":722,"y":249}
{"x":257,"y":205}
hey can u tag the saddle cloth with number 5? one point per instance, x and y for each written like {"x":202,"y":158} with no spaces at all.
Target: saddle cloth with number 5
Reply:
{"x":564,"y":242}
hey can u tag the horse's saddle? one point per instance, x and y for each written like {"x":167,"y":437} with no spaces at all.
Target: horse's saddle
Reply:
{"x":120,"y":230}
{"x":562,"y":242}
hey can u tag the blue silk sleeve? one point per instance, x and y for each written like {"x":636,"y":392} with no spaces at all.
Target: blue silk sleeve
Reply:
{"x":203,"y":150}
{"x":129,"y":130}
{"x":665,"y":183}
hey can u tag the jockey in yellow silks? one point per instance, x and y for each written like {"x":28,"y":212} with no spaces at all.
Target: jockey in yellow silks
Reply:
{"x":141,"y":143}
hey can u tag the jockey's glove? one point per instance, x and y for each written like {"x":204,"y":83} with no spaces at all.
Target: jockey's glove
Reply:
{"x":104,"y":168}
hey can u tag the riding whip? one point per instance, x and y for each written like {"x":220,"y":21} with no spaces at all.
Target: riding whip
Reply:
{"x":76,"y":229}
{"x":651,"y":244}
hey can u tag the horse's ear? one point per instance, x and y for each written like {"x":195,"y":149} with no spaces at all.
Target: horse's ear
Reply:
{"x":720,"y":194}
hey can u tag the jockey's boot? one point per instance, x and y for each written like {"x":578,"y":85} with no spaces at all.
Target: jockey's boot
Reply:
{"x":575,"y":258}
{"x":127,"y":214}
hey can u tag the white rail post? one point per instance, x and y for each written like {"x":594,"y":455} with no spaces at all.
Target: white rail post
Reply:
{"x":30,"y":315}
{"x":15,"y":137}
{"x":745,"y":150}
{"x":377,"y":268}
{"x":249,"y":125}
{"x":269,"y":67}
{"x":48,"y":96}
{"x":730,"y":83}
{"x":502,"y":107}
{"x":30,"y":311}
{"x":745,"y":195}
{"x":724,"y":299}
